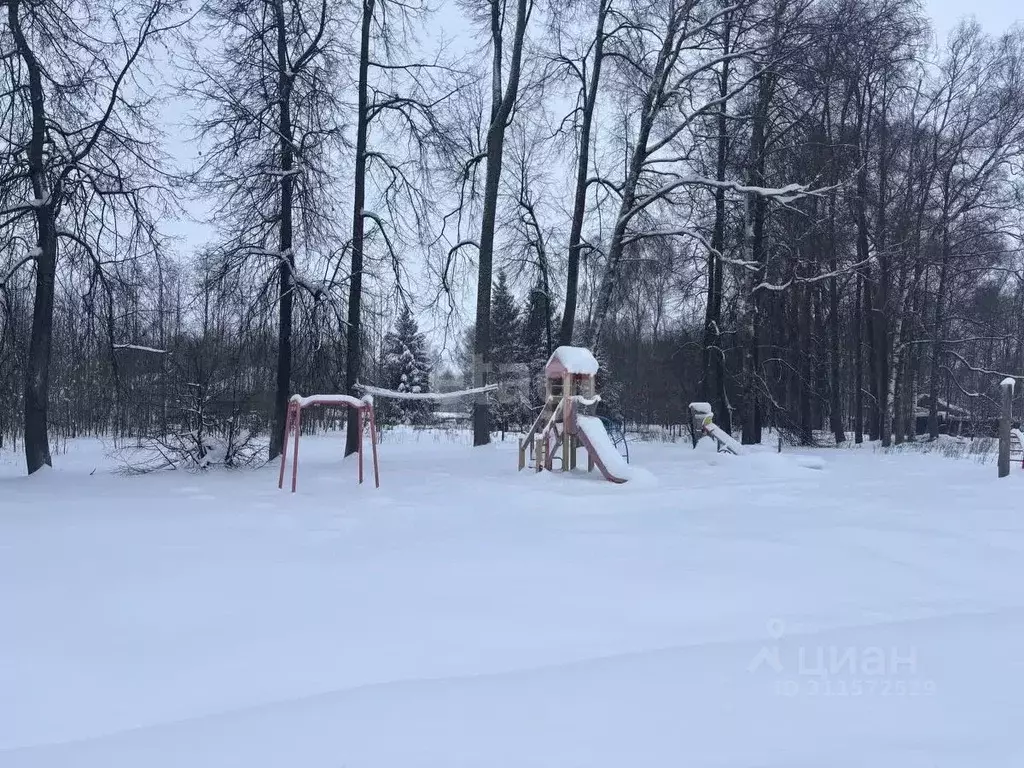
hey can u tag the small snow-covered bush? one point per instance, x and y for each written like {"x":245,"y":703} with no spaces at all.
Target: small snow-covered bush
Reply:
{"x":983,"y":450}
{"x":215,"y":444}
{"x":401,"y":433}
{"x":209,"y":419}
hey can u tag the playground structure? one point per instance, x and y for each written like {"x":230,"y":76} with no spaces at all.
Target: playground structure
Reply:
{"x":702,"y":422}
{"x":560,"y":429}
{"x":293,"y":430}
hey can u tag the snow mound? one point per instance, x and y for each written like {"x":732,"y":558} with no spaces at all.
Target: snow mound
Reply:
{"x":810,"y":462}
{"x":640,"y":477}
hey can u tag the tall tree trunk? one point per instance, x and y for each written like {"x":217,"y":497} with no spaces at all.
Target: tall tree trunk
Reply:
{"x":935,"y":361}
{"x":858,"y":364}
{"x":572,"y":269}
{"x":713,"y":385}
{"x":37,"y":365}
{"x":806,"y":374}
{"x":636,"y":155}
{"x":869,"y":339}
{"x":759,"y":257}
{"x":863,"y":253}
{"x":836,"y":423}
{"x":880,"y":322}
{"x":353,"y":345}
{"x":286,"y":254}
{"x":502,"y":101}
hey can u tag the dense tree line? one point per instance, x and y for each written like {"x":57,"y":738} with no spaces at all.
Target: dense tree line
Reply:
{"x":805,"y":212}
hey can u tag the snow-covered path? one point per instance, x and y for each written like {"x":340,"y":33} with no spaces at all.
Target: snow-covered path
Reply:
{"x":716,"y":611}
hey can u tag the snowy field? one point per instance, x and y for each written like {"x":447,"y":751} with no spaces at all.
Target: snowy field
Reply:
{"x":844,"y":610}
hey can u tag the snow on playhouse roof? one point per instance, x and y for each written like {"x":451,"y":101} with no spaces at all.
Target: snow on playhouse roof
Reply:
{"x":577,"y":360}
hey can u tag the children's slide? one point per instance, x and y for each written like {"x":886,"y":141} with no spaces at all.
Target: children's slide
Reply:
{"x":601,"y":449}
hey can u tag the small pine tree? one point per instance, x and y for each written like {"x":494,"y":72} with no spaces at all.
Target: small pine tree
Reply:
{"x":536,"y":342}
{"x":511,"y":400}
{"x":407,"y":369}
{"x":608,"y":387}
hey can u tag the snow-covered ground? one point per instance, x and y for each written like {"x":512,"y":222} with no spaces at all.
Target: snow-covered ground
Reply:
{"x":833,"y":610}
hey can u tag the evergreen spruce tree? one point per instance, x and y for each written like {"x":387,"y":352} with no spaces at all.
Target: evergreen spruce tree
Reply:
{"x":407,"y":369}
{"x":510,"y":401}
{"x":537,"y":343}
{"x":609,"y":387}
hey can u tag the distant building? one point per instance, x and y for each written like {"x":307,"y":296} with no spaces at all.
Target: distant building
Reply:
{"x":954,"y":420}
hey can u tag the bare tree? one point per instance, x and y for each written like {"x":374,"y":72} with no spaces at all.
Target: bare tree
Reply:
{"x":586,"y":68}
{"x":979,"y":132}
{"x":398,"y":130}
{"x":510,"y":33}
{"x":270,"y":128}
{"x":668,"y":66}
{"x":79,"y":178}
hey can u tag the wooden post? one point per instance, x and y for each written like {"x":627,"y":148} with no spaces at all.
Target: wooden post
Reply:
{"x":1004,"y":426}
{"x":568,"y":417}
{"x":360,"y":415}
{"x":284,"y":443}
{"x":295,"y":449}
{"x":373,"y":447}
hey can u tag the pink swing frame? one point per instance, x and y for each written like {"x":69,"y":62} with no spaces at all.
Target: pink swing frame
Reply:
{"x":293,"y":430}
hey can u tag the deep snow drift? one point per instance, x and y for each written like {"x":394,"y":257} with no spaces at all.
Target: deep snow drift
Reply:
{"x":848,"y":610}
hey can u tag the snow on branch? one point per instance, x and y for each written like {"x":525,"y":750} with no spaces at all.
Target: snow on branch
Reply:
{"x":766,"y":286}
{"x":985,"y":371}
{"x":395,"y":395}
{"x":680,"y":232}
{"x":607,"y":183}
{"x":140,"y":348}
{"x":278,"y":174}
{"x":316,"y":289}
{"x":463,"y":244}
{"x":786,"y":194}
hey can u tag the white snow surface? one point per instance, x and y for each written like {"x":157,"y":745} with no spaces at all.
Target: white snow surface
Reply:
{"x":576,"y":360}
{"x":593,"y":428}
{"x":736,"y":612}
{"x":1009,"y":381}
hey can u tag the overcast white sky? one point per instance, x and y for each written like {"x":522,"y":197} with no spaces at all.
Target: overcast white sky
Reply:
{"x":994,"y":15}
